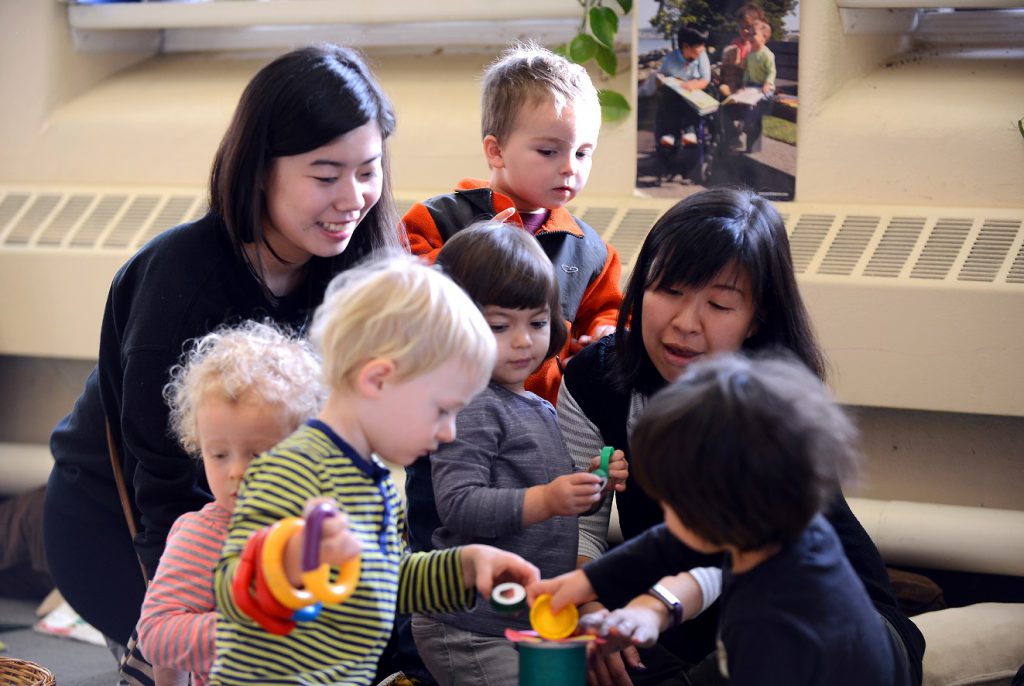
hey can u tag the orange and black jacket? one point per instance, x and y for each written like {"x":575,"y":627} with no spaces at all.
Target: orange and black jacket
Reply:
{"x":587,"y":268}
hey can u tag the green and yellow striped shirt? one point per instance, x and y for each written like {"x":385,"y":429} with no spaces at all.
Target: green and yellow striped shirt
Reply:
{"x":343,"y":645}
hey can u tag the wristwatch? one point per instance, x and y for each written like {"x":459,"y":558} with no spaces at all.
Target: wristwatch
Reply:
{"x":669,"y":600}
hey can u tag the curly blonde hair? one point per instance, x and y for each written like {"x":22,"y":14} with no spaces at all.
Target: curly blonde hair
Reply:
{"x":252,"y":360}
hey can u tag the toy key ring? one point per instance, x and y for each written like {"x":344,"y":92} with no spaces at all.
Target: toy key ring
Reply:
{"x":273,"y":564}
{"x":316,"y":576}
{"x":242,"y":594}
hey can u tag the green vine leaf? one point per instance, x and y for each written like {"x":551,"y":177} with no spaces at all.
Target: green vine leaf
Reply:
{"x":613,"y":105}
{"x":582,"y":48}
{"x":626,"y":5}
{"x":605,"y":24}
{"x":606,"y":59}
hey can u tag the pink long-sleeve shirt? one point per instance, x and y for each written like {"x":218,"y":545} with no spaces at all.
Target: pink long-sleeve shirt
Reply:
{"x":178,"y":616}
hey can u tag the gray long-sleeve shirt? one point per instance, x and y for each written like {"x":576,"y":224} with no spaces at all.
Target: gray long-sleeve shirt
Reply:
{"x":505,"y":443}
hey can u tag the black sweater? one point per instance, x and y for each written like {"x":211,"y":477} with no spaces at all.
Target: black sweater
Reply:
{"x":183,"y":284}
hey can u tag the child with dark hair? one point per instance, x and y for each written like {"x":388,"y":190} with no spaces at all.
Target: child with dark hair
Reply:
{"x":744,"y":455}
{"x":507,"y":479}
{"x":690,"y":66}
{"x":714,"y":275}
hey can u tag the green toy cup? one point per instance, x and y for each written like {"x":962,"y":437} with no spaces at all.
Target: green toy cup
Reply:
{"x":549,"y":662}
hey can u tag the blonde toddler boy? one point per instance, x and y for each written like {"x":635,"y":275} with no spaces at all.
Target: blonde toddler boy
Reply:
{"x":404,"y":350}
{"x":540,"y":124}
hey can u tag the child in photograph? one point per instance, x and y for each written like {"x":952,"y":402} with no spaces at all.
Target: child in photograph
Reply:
{"x":507,"y":479}
{"x":404,"y":350}
{"x":734,"y":55}
{"x":540,"y":123}
{"x":676,"y":120}
{"x":744,"y":455}
{"x":759,"y":70}
{"x":746,"y":107}
{"x":238,"y":393}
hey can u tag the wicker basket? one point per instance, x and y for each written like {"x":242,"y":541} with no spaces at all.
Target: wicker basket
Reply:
{"x":15,"y":672}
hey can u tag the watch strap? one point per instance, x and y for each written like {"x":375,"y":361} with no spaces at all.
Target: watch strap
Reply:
{"x":670,"y":601}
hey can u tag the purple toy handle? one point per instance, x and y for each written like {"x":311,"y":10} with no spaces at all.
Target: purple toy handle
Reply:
{"x":314,"y":533}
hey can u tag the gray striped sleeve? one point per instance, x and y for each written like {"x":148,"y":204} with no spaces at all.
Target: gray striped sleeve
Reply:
{"x":583,"y":439}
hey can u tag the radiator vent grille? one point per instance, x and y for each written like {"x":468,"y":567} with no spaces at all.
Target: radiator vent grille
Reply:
{"x":101,"y":216}
{"x":64,"y":221}
{"x":599,"y":217}
{"x":1016,"y":274}
{"x":989,"y":251}
{"x":807,"y":237}
{"x":848,"y":246}
{"x":941,"y":249}
{"x":32,"y":218}
{"x":972,"y":246}
{"x":627,"y":237}
{"x":894,"y":248}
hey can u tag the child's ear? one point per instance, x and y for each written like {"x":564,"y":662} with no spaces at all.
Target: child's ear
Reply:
{"x":492,"y":152}
{"x":373,"y":375}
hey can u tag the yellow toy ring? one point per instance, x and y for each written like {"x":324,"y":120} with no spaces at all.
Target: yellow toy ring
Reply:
{"x":317,"y":581}
{"x":272,"y":560}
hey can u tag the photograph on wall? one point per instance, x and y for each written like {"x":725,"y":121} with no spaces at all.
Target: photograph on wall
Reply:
{"x":717,"y":96}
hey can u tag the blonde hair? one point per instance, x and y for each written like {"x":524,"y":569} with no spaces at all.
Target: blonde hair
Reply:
{"x":526,"y":74}
{"x":253,"y":360}
{"x":395,"y":307}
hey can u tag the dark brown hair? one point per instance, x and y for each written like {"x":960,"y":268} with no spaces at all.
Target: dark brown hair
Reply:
{"x":691,"y":243}
{"x":301,"y":101}
{"x":744,"y":450}
{"x":502,"y":265}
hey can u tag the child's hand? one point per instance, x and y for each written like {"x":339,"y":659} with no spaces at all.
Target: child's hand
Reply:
{"x":767,"y":88}
{"x":338,"y":544}
{"x":571,"y":588}
{"x":618,"y":471}
{"x":505,"y":214}
{"x":572,"y":494}
{"x":599,"y":332}
{"x":484,"y":567}
{"x":628,"y":626}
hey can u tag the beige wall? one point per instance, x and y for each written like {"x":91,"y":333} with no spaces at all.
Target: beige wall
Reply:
{"x":867,"y":134}
{"x":156,"y":120}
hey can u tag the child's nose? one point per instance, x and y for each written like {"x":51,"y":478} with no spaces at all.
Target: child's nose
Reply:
{"x":569,"y":165}
{"x":446,"y":432}
{"x":522,"y":339}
